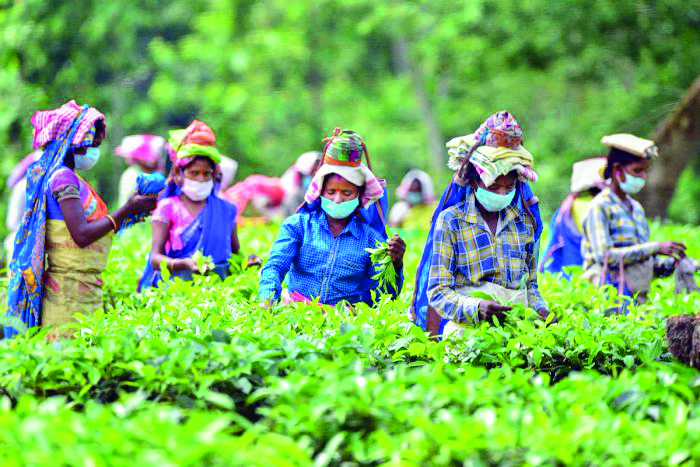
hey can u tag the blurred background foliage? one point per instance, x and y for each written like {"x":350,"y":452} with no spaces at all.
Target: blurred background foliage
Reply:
{"x":273,"y":77}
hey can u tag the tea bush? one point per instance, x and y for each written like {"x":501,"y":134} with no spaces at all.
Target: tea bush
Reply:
{"x":199,"y":374}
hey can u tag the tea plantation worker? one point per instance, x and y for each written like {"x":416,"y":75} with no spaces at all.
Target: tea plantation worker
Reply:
{"x":486,"y":239}
{"x":66,"y":224}
{"x":322,"y":246}
{"x":228,"y":167}
{"x":190,"y":217}
{"x":276,"y":198}
{"x":142,"y":154}
{"x":297,"y":178}
{"x":263,"y":194}
{"x":616,"y":247}
{"x":17,"y":183}
{"x":416,"y":201}
{"x":566,"y":227}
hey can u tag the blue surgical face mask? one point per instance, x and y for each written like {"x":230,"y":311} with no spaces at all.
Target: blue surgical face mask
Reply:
{"x":414,"y":197}
{"x":88,"y":160}
{"x":493,"y":202}
{"x":339,"y":210}
{"x":632,"y":185}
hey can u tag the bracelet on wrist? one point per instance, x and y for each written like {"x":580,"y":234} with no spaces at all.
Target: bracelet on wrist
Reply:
{"x":114,"y":223}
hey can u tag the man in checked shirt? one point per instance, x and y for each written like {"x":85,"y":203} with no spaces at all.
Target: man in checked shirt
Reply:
{"x":616,"y":248}
{"x":486,"y":243}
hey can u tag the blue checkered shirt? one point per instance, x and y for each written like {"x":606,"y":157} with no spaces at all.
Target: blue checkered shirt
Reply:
{"x":620,"y":231}
{"x":320,"y":265}
{"x":467,"y":253}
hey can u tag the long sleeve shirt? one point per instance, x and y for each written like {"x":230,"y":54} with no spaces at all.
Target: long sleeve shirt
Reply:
{"x":320,"y":265}
{"x":467,"y":253}
{"x":620,"y":231}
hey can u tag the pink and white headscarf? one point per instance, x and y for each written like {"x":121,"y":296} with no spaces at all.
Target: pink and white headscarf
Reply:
{"x":50,"y":125}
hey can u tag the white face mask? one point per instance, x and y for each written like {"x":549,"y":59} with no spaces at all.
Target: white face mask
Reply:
{"x":88,"y":160}
{"x":197,"y":191}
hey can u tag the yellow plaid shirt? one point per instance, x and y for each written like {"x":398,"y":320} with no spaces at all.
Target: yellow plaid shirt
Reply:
{"x":467,"y":253}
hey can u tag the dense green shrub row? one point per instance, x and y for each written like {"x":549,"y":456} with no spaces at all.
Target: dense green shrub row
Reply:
{"x":198,"y":374}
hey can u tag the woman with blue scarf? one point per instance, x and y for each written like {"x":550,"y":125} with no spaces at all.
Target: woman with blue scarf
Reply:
{"x":191,"y":217}
{"x":484,"y":240}
{"x":66,"y":225}
{"x":322,"y":246}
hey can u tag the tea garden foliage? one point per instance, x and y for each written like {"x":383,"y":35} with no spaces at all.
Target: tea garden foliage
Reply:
{"x":199,"y":374}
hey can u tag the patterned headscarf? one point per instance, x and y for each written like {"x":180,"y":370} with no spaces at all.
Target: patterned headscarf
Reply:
{"x":494,"y":149}
{"x":52,"y":125}
{"x":195,"y":140}
{"x":344,"y":147}
{"x":342,"y":155}
{"x":59,"y":131}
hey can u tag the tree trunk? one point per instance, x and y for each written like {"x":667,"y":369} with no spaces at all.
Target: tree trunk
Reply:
{"x":436,"y":142}
{"x":678,"y":139}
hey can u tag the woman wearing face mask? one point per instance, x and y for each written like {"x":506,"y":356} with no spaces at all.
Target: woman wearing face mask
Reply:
{"x":322,"y":246}
{"x":67,"y":226}
{"x":416,"y":201}
{"x":616,"y":247}
{"x":486,"y":241}
{"x":191,"y":217}
{"x":296,"y":180}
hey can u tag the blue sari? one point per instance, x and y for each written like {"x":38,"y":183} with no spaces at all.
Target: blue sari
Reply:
{"x":564,"y":248}
{"x":209,"y":233}
{"x":453,"y":195}
{"x":25,"y":289}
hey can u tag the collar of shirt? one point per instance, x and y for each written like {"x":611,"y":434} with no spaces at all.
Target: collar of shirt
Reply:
{"x":633,"y":207}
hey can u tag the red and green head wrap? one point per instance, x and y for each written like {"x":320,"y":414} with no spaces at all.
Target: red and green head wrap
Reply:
{"x":195,"y":140}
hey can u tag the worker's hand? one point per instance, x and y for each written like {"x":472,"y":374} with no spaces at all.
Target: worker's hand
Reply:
{"x":674,"y":249}
{"x":397,"y":248}
{"x":254,"y":261}
{"x":488,"y":309}
{"x":544,"y":314}
{"x":188,"y":264}
{"x":141,"y":204}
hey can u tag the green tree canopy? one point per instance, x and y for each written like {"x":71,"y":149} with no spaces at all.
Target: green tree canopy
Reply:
{"x":273,"y":77}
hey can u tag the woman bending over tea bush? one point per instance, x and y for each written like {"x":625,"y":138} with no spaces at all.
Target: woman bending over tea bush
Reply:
{"x":483,"y":242}
{"x":191,"y":217}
